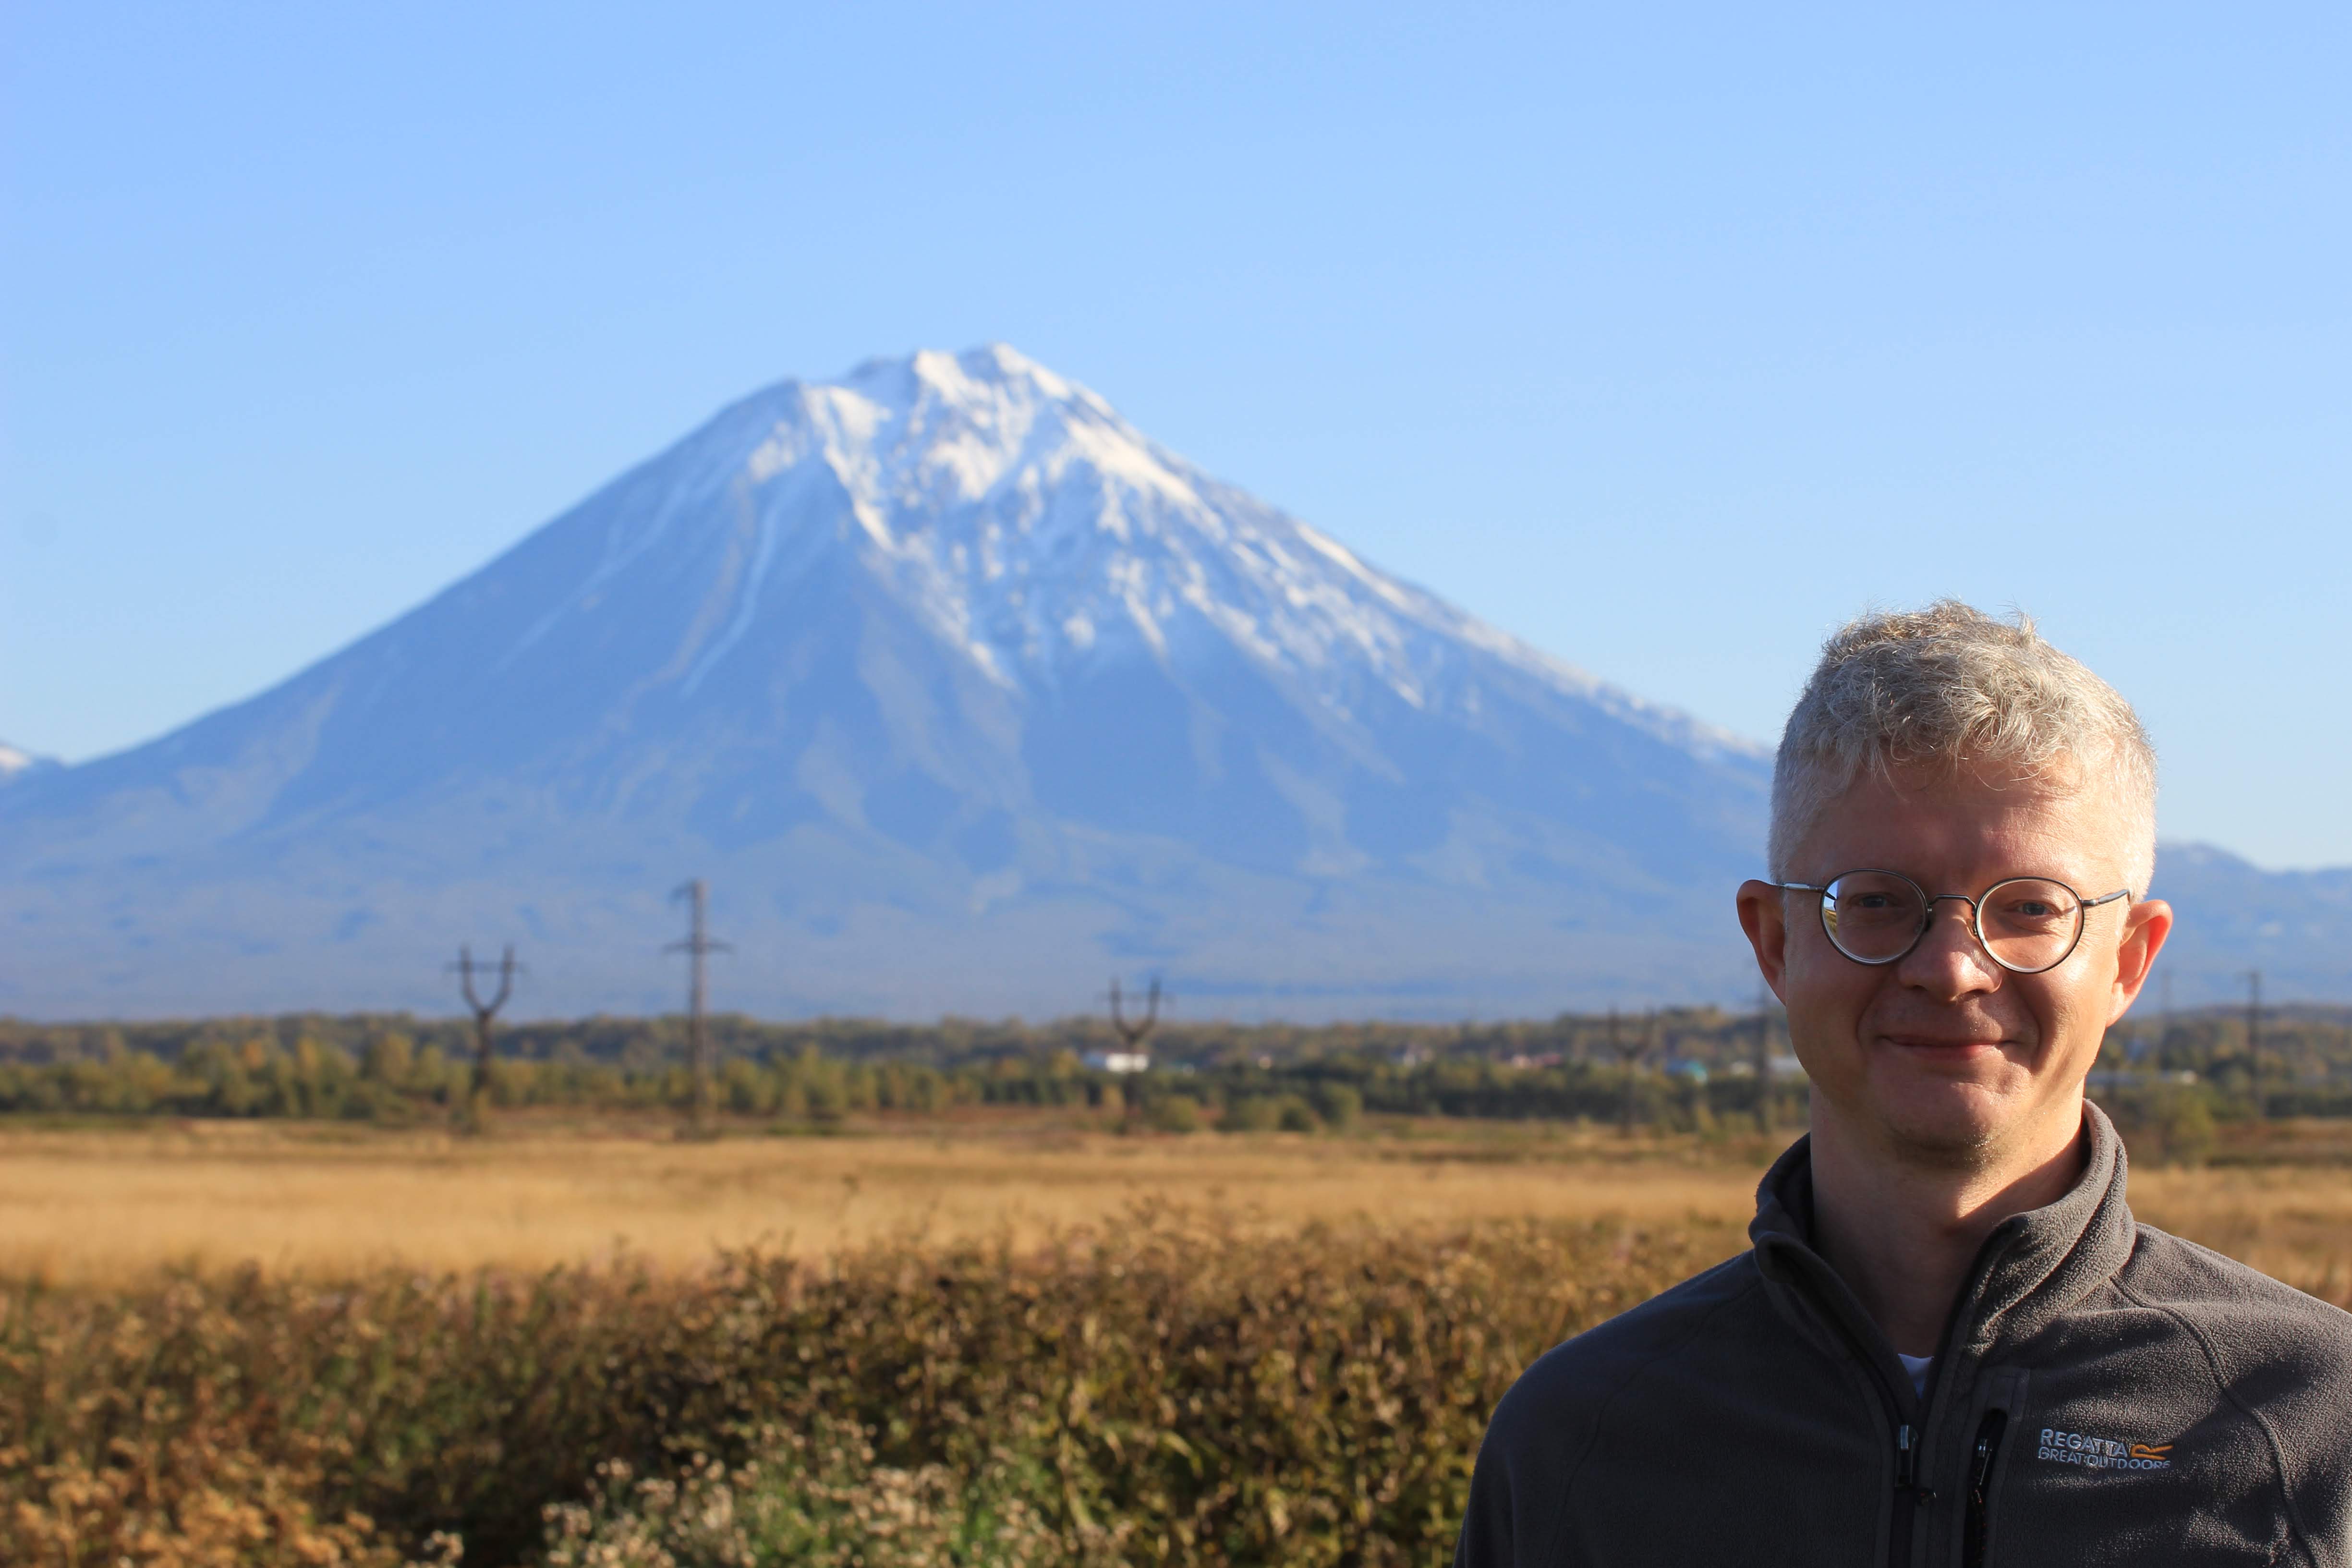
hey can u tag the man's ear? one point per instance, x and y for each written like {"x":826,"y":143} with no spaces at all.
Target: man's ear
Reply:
{"x":1765,"y":917}
{"x":2145,"y":926}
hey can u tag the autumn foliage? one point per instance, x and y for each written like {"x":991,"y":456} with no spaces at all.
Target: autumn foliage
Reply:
{"x":1166,"y":1390}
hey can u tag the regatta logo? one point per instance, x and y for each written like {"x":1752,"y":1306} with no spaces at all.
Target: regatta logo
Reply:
{"x":2102,"y":1453}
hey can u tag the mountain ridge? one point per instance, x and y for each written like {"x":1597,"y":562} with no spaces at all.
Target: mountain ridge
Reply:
{"x":963,"y":692}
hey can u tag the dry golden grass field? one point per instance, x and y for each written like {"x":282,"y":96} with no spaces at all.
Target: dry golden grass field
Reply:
{"x":93,"y":1206}
{"x":1188,"y":1367}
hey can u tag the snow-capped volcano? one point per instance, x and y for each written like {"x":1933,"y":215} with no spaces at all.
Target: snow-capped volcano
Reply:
{"x":1030,"y":524}
{"x":962,"y":692}
{"x":1031,"y":529}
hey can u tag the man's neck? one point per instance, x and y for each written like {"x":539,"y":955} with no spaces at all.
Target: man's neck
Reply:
{"x":1903,"y":1233}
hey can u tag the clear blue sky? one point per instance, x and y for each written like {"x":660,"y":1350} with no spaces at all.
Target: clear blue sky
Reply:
{"x":1665,"y":337}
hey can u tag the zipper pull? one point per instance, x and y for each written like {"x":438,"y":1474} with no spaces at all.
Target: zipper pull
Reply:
{"x":1907,"y":1467}
{"x":1972,"y":1536}
{"x":1987,"y":1443}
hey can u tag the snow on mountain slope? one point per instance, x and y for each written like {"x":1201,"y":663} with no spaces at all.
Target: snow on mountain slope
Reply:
{"x":15,"y":763}
{"x":941,"y":653}
{"x":1029,"y":528}
{"x":1030,"y":523}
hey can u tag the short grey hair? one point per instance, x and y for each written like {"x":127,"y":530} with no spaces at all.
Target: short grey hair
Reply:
{"x":1951,"y":686}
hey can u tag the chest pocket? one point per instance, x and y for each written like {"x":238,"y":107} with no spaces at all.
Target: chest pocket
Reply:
{"x":2116,"y":1477}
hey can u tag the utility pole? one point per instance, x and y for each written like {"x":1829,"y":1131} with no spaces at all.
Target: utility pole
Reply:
{"x":477,"y":1099}
{"x":1629,"y":1054}
{"x":1134,"y":1032}
{"x":697,"y":946}
{"x":1763,"y":1058}
{"x":1627,"y":1119}
{"x":2254,"y":1037}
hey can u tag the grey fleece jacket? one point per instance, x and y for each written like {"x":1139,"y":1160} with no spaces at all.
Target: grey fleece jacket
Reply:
{"x":2105,"y":1393}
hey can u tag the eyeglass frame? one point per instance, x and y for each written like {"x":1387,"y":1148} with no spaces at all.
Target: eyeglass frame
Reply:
{"x":1928,"y":902}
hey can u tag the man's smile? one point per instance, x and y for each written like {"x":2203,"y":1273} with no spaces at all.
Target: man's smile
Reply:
{"x":1949,"y":1044}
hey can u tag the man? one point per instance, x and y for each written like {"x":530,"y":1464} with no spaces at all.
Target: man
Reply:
{"x":1951,"y":1344}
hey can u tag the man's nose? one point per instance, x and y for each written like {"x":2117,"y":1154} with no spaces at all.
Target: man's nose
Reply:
{"x":1949,"y":961}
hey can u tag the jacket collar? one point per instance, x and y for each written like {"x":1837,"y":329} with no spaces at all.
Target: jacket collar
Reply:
{"x":2030,"y":1270}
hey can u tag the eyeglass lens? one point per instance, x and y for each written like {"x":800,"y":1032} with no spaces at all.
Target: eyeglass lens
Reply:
{"x":2027,"y":923}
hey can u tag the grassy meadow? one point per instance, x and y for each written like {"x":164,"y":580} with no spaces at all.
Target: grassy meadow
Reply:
{"x":98,"y":1207}
{"x":1008,"y":1337}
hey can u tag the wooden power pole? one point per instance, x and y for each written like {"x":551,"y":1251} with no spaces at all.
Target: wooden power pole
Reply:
{"x":697,"y":946}
{"x":1630,"y":1054}
{"x":2254,"y":1037}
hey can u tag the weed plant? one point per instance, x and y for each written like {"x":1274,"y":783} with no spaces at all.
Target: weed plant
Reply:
{"x":1165,"y":1392}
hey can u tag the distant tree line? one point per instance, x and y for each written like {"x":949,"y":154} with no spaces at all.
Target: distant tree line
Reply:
{"x":1688,"y":1069}
{"x":1706,"y":1036}
{"x":393,"y":1081}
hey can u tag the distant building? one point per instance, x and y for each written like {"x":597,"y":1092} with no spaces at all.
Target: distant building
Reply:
{"x":1117,"y":1061}
{"x":2107,"y":1077}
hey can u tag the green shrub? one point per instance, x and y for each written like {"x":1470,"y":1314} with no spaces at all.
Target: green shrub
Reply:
{"x":1175,"y":1113}
{"x":2166,"y":1124}
{"x":1170,"y":1391}
{"x":1340,"y":1104}
{"x":820,"y":1498}
{"x":1269,"y":1113}
{"x":1251,"y":1113}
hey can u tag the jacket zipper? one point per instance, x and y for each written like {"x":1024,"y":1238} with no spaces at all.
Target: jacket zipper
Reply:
{"x":1972,"y":1544}
{"x":1906,"y":1488}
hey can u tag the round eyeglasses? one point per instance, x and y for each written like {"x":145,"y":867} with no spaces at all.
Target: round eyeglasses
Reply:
{"x":2026,"y":924}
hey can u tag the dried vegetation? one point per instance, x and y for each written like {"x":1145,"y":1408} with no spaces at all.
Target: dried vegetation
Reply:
{"x":1172,"y":1393}
{"x":1003,"y":1350}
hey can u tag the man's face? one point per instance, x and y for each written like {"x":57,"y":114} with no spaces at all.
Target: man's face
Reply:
{"x":1943,"y":1054}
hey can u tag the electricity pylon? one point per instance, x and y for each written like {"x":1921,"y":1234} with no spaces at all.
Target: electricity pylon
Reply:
{"x":697,"y":946}
{"x":1134,"y":1030}
{"x":477,"y":1098}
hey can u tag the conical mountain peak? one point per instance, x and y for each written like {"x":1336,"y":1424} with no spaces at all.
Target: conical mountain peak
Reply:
{"x":941,"y":655}
{"x":1031,"y":526}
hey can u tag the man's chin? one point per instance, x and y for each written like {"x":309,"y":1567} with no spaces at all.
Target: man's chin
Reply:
{"x":1956,"y":1121}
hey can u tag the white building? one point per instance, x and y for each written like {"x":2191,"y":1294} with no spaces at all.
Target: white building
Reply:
{"x":1117,"y":1061}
